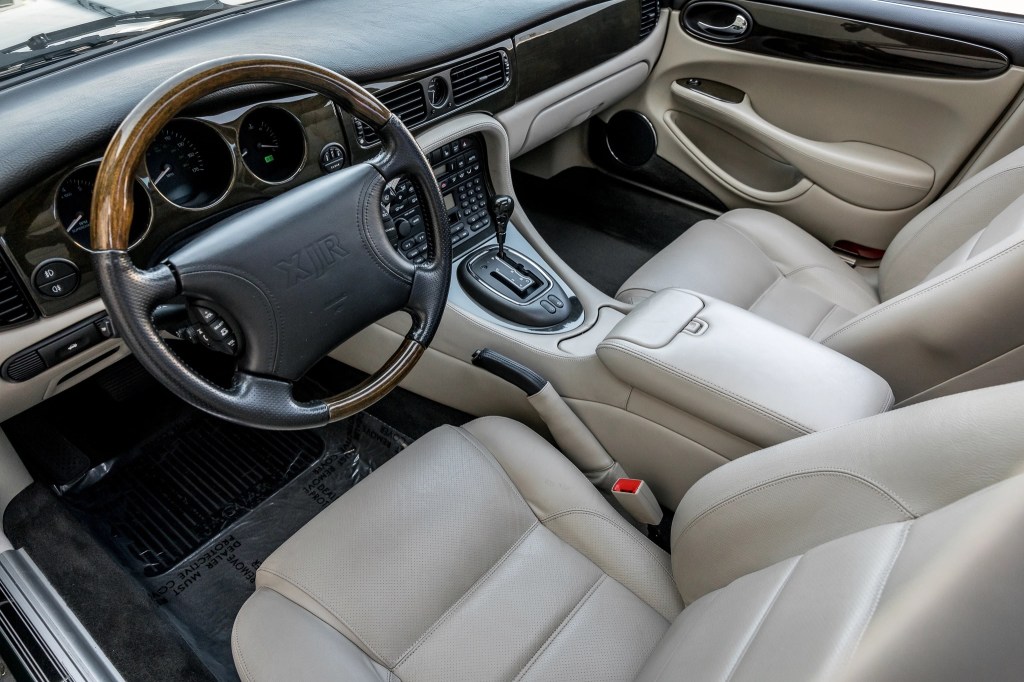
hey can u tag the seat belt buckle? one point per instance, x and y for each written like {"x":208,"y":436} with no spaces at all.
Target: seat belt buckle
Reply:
{"x":857,"y":255}
{"x":636,"y":498}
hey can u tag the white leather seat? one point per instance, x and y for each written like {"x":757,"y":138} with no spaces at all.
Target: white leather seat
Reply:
{"x":481,"y":553}
{"x":942,"y":317}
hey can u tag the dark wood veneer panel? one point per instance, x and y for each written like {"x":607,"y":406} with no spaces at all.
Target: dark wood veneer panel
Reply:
{"x":560,"y":49}
{"x":839,"y":41}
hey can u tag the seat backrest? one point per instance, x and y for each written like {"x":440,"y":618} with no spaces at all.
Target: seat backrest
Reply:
{"x":950,"y":318}
{"x":938,"y":598}
{"x":978,"y":216}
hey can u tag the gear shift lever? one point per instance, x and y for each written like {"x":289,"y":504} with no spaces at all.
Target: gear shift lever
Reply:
{"x":502,"y":206}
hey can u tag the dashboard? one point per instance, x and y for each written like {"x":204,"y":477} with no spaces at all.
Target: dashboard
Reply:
{"x":247,"y":145}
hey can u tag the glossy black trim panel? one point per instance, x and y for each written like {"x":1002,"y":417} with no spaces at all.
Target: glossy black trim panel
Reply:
{"x":999,"y":31}
{"x":839,"y":41}
{"x":560,"y":49}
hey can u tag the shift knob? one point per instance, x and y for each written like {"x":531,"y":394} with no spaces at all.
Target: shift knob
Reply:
{"x":502,"y":206}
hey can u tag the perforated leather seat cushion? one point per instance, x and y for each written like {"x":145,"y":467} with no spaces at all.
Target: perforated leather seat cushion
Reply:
{"x":478,"y":553}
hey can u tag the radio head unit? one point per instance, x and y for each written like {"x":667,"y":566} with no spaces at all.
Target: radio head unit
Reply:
{"x":461,"y":171}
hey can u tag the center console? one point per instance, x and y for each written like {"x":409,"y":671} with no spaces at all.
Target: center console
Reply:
{"x":514,"y":287}
{"x":737,"y":371}
{"x":669,"y":389}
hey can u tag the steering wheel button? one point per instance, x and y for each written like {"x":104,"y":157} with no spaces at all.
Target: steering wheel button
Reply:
{"x":206,"y":315}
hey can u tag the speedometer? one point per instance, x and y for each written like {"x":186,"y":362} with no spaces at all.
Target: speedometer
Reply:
{"x":189,"y":164}
{"x":73,"y":206}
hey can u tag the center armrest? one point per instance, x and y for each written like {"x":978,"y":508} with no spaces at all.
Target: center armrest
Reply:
{"x":738,"y":371}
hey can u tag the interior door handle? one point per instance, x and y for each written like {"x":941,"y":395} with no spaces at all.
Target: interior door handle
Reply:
{"x":717,"y":20}
{"x":738,"y":27}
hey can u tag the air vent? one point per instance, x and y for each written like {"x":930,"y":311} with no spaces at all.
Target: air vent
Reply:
{"x":14,"y":306}
{"x":478,"y":76}
{"x":650,"y":10}
{"x":406,"y":101}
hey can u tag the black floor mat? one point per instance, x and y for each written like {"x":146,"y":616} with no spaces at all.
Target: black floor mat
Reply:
{"x":187,"y":484}
{"x":185,"y":510}
{"x":604,"y":228}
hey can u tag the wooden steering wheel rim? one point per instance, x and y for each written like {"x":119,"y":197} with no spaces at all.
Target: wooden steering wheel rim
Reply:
{"x":112,"y":206}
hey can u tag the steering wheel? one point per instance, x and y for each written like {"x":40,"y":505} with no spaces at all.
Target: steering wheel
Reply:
{"x":297,"y":274}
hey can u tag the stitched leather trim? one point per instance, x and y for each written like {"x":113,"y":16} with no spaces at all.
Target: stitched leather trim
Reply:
{"x":881,"y":586}
{"x":952,"y":201}
{"x":472,"y":590}
{"x":885,"y":494}
{"x":633,"y":538}
{"x":782,"y":420}
{"x":764,"y":616}
{"x":561,"y":626}
{"x":903,"y":298}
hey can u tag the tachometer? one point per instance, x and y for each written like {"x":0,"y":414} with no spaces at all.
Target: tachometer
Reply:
{"x":190,"y":164}
{"x":272,"y":144}
{"x":73,"y":206}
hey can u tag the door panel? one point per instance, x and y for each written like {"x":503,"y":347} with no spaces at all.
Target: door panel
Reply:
{"x":847,"y":153}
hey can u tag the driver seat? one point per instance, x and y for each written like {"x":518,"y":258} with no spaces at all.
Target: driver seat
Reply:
{"x":481,"y":553}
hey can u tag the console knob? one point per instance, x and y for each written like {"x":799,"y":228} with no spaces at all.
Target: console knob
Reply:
{"x":404,"y":227}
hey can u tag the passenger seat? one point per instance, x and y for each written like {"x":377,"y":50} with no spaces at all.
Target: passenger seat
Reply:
{"x":944,"y":317}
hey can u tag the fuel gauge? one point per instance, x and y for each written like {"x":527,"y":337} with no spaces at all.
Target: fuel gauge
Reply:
{"x":272,"y":144}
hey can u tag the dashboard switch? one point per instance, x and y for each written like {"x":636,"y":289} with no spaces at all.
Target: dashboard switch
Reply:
{"x":332,"y":157}
{"x":56,"y":278}
{"x":70,"y":345}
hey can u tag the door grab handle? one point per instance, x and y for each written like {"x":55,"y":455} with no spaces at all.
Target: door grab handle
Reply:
{"x":738,"y":27}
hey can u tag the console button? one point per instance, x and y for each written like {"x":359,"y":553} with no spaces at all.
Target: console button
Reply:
{"x":548,"y":307}
{"x":557,"y":302}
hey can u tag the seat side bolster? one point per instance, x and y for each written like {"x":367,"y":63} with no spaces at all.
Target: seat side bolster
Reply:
{"x":571,"y":507}
{"x":944,"y":327}
{"x":780,"y":502}
{"x":943,"y":227}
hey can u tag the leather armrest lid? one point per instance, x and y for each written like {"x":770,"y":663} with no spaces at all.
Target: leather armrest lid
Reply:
{"x":745,"y":374}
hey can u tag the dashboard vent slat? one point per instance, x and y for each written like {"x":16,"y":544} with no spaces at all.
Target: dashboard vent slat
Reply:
{"x":650,"y":11}
{"x":405,"y":101}
{"x":15,"y":307}
{"x":478,"y":76}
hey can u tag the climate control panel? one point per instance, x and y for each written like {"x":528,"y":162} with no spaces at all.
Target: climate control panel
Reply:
{"x":461,"y":171}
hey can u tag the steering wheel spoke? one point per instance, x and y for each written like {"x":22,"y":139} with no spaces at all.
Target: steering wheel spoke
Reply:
{"x":294,"y":276}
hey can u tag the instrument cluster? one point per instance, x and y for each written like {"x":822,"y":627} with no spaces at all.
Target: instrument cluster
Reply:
{"x":192,"y":164}
{"x":203,"y":166}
